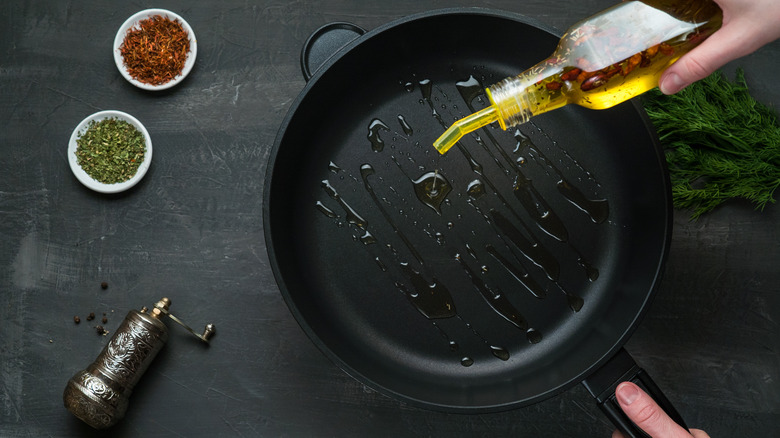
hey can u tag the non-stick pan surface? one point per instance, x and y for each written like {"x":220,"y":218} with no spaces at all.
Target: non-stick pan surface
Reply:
{"x":535,"y":267}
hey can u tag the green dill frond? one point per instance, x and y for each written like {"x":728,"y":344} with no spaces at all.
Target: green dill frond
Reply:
{"x":720,"y":143}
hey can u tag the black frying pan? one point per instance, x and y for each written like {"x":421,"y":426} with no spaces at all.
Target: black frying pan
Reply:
{"x":493,"y":277}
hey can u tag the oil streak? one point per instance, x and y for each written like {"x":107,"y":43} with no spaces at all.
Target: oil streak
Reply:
{"x":596,"y":209}
{"x":326,"y":211}
{"x":533,"y":251}
{"x":426,"y":87}
{"x":367,"y":170}
{"x":405,"y":125}
{"x":519,"y":274}
{"x":469,"y":90}
{"x":497,"y":301}
{"x":353,"y":218}
{"x":524,"y":190}
{"x":526,"y":193}
{"x":539,"y":210}
{"x":432,"y":299}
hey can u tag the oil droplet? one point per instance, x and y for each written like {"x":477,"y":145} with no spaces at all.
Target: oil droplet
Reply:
{"x":475,"y":189}
{"x":575,"y":302}
{"x":432,"y":300}
{"x":590,"y":271}
{"x":469,"y":89}
{"x":454,"y":346}
{"x":535,"y":252}
{"x":376,"y":125}
{"x":522,"y":142}
{"x":409,"y":87}
{"x":500,"y":352}
{"x":537,"y":207}
{"x":431,"y":189}
{"x":380,"y":264}
{"x":326,"y":211}
{"x":333,"y":167}
{"x":367,"y":238}
{"x":533,"y":335}
{"x":467,"y":361}
{"x":471,"y":251}
{"x":485,"y":269}
{"x":450,"y":225}
{"x":497,"y":301}
{"x":521,"y":160}
{"x":405,"y":125}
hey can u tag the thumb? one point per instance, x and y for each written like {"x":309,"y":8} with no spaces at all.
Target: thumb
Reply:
{"x":732,"y":41}
{"x":646,"y":414}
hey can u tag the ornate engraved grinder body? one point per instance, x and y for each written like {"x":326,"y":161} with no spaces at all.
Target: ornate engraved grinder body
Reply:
{"x":99,"y":394}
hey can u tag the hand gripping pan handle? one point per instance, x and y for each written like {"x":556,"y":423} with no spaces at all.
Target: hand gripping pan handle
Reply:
{"x":621,"y":368}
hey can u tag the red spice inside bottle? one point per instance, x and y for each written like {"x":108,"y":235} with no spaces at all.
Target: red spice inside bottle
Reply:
{"x":155,"y":50}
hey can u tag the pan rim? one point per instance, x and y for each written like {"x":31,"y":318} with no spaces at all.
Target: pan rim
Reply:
{"x":364,"y":379}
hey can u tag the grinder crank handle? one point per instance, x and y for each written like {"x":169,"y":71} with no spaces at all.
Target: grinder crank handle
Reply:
{"x":620,"y":368}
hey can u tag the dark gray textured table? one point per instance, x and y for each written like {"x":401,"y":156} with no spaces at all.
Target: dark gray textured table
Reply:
{"x":192,"y":230}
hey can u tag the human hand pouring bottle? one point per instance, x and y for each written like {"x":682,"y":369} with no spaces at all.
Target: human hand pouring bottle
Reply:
{"x":600,"y":62}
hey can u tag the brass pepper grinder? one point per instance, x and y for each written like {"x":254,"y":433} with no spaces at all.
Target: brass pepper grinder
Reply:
{"x":99,"y":394}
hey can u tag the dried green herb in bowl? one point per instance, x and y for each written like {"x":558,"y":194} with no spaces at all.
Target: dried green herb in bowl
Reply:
{"x":110,"y":151}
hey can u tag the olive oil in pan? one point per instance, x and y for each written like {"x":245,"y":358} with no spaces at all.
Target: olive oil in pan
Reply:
{"x":432,"y":189}
{"x":469,"y":90}
{"x":353,"y":217}
{"x":497,"y":301}
{"x":326,"y":211}
{"x":367,"y":170}
{"x":432,"y":299}
{"x":405,"y":126}
{"x":552,"y":269}
{"x":376,"y":125}
{"x":596,"y":209}
{"x":524,"y":190}
{"x":518,"y":274}
{"x":532,"y":251}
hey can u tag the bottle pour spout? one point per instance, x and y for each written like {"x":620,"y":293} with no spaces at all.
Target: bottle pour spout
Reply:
{"x":464,"y":126}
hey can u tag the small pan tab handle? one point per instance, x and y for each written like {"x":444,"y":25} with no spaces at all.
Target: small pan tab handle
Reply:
{"x":324,"y":43}
{"x":621,"y":368}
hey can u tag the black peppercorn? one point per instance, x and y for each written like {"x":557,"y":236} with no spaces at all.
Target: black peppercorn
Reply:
{"x":104,"y":285}
{"x":91,"y":316}
{"x":76,"y":319}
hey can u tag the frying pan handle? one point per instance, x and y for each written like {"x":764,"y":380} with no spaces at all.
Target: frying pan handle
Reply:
{"x":620,"y":368}
{"x":326,"y":42}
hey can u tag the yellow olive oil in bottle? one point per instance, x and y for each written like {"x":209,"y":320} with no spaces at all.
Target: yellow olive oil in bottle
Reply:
{"x":600,"y":62}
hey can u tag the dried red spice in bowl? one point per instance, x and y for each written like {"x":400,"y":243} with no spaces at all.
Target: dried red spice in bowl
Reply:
{"x":155,"y":49}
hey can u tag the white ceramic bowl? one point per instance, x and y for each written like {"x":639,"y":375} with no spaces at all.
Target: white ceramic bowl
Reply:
{"x":133,"y":22}
{"x":87,"y":180}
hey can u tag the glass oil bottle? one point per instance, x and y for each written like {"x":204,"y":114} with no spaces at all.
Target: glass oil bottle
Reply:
{"x":600,"y":62}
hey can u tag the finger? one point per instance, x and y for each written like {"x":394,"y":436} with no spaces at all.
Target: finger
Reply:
{"x":699,"y":433}
{"x":722,"y":47}
{"x":645,"y":412}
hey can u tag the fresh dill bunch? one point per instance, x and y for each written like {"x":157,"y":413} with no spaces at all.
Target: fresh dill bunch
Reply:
{"x":720,"y":143}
